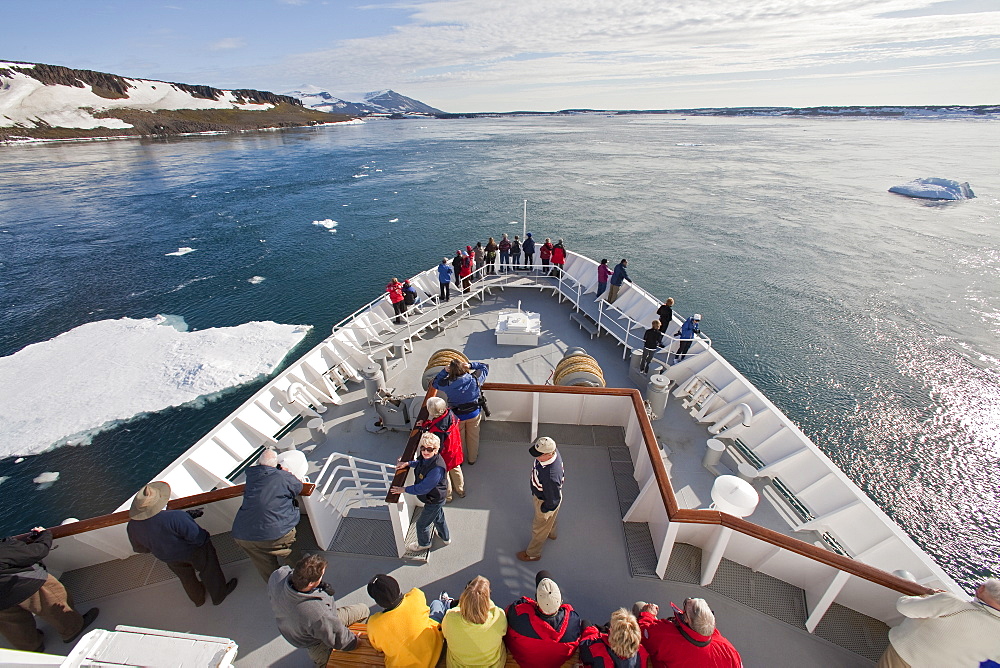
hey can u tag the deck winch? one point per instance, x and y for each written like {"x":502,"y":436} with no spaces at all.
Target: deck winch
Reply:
{"x":393,"y":410}
{"x":579,"y":369}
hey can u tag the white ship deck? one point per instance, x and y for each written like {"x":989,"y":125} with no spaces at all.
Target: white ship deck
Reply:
{"x":596,"y":566}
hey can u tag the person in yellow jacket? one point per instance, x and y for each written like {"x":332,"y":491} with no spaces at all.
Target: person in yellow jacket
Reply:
{"x":475,"y":629}
{"x":404,"y":631}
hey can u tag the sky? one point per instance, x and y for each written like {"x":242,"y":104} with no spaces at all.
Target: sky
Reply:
{"x":544,"y":55}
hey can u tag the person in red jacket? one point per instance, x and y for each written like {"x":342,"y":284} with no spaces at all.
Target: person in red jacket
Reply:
{"x":465,"y":271}
{"x":545,"y":252}
{"x":558,"y":258}
{"x":442,"y":422}
{"x":542,"y":633}
{"x":395,"y":290}
{"x":687,"y":639}
{"x":618,"y":648}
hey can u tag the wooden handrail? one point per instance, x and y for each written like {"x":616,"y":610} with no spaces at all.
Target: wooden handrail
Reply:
{"x":690,"y":516}
{"x":410,"y":450}
{"x":121,"y":517}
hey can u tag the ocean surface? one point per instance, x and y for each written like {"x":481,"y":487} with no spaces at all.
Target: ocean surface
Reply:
{"x":871,"y":319}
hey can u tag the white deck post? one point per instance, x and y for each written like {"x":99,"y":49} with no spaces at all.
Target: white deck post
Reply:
{"x":826,"y":600}
{"x":666,"y":549}
{"x":715,"y":553}
{"x":534,"y":416}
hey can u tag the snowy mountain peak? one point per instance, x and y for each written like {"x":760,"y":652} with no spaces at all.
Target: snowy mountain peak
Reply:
{"x":381,"y":102}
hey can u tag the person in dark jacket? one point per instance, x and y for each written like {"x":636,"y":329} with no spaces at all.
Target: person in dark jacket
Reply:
{"x":27,"y":589}
{"x":410,"y":295}
{"x":618,"y":648}
{"x":618,"y":276}
{"x":176,"y":539}
{"x":456,"y":266}
{"x":515,"y":252}
{"x":265,"y":524}
{"x":461,"y":382}
{"x":652,"y":341}
{"x":666,"y":314}
{"x":689,"y":330}
{"x":689,"y":638}
{"x":529,"y":251}
{"x":490,"y":256}
{"x":603,"y":274}
{"x":430,"y":487}
{"x":504,"y":247}
{"x":547,"y":478}
{"x":307,"y":613}
{"x":542,"y":633}
{"x":444,"y":278}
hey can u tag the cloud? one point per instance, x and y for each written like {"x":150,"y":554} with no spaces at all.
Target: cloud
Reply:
{"x":448,"y":44}
{"x":227,"y":44}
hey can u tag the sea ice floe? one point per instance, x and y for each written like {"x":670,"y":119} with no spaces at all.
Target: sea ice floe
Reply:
{"x":328,"y":224}
{"x":102,"y":373}
{"x":934,"y":188}
{"x":394,"y":220}
{"x":254,"y":280}
{"x":183,"y":250}
{"x":44,"y":480}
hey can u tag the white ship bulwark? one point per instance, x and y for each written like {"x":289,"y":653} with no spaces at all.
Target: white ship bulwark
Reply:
{"x":647,"y":469}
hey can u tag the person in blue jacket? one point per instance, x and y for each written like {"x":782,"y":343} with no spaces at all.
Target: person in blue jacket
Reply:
{"x":461,"y":382}
{"x":444,"y":278}
{"x":431,"y":487}
{"x":529,"y":251}
{"x":618,"y":276}
{"x":265,"y":524}
{"x":689,"y":329}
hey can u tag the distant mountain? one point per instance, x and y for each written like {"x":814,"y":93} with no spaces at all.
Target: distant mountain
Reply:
{"x":377,"y":103}
{"x":40,"y":101}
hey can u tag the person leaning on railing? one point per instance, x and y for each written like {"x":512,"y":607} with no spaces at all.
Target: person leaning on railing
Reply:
{"x":27,"y":589}
{"x":443,"y":423}
{"x":461,"y":381}
{"x":946,"y":630}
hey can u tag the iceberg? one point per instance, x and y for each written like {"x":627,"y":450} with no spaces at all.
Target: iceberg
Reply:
{"x":934,"y":188}
{"x":103,"y":373}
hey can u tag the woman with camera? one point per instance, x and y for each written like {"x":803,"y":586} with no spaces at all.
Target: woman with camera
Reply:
{"x":462,"y":383}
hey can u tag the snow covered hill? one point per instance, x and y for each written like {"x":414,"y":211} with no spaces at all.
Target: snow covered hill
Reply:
{"x":382,"y":103}
{"x":49,"y":101}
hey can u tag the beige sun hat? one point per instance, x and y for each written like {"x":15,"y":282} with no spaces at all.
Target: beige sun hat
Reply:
{"x":149,"y":500}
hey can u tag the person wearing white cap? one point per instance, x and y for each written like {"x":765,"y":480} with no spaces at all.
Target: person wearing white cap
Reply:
{"x":542,"y":633}
{"x":176,"y":539}
{"x":547,"y":476}
{"x":690,"y":329}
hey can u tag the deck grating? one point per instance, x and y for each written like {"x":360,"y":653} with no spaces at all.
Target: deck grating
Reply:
{"x":854,"y":631}
{"x":685,"y":564}
{"x":640,"y":551}
{"x":364,"y":535}
{"x":625,"y":485}
{"x":761,"y":592}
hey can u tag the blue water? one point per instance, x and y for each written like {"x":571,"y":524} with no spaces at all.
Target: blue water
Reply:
{"x":869,"y":318}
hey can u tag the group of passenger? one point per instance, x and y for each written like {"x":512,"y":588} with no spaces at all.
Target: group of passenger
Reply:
{"x":542,"y":631}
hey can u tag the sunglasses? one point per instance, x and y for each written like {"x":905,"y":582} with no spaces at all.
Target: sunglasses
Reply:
{"x":423,"y":449}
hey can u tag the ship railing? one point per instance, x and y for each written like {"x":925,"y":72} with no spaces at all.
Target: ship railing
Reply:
{"x":81,"y":543}
{"x":826,"y":577}
{"x":345,"y":482}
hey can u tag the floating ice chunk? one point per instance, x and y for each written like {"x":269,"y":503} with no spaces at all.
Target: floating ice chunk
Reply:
{"x":4,"y":478}
{"x":935,"y":188}
{"x":394,"y":220}
{"x":101,"y":373}
{"x":45,"y":480}
{"x":183,"y":250}
{"x":329,"y":224}
{"x":358,"y":176}
{"x":255,"y":280}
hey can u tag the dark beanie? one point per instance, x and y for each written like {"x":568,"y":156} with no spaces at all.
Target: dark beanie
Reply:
{"x":385,"y":590}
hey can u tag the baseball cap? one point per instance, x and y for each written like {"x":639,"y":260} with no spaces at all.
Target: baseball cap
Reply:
{"x":543,"y":446}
